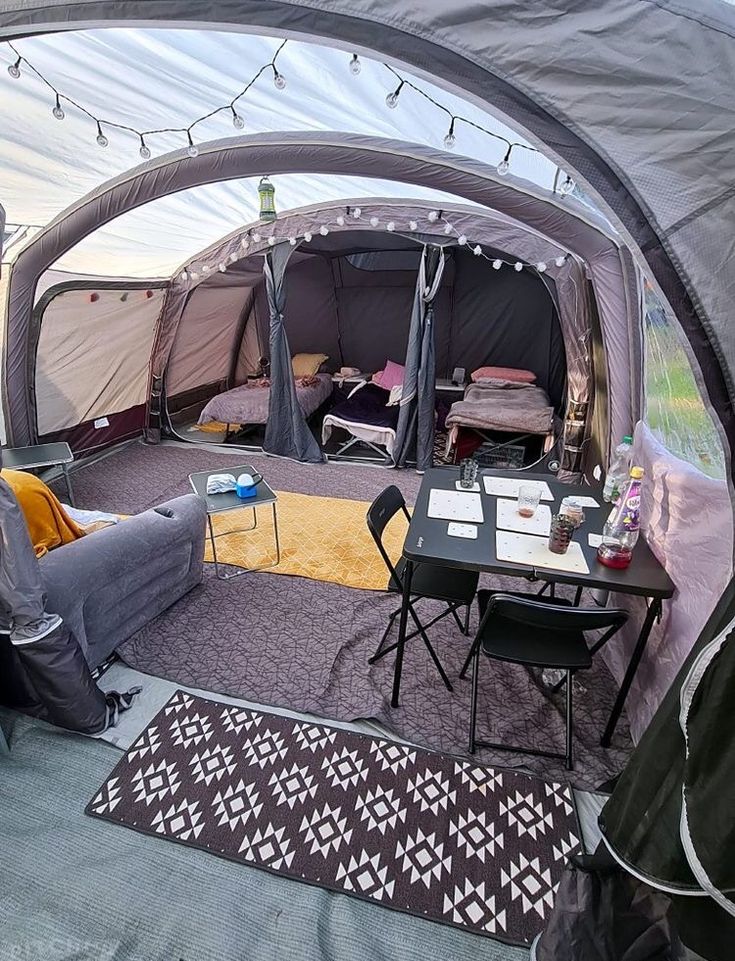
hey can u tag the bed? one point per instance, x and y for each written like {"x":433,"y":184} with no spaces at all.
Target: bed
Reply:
{"x":366,"y":415}
{"x":248,"y":403}
{"x":506,"y":406}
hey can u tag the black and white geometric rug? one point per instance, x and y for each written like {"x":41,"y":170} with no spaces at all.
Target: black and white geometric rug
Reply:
{"x":430,"y":834}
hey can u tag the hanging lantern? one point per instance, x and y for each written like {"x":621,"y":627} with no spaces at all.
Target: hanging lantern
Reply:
{"x":267,"y":194}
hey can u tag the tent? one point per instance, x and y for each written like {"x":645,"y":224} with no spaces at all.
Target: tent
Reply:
{"x":659,"y":176}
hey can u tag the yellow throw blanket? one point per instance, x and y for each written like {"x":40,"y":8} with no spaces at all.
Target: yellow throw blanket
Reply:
{"x":323,"y":538}
{"x":48,"y":523}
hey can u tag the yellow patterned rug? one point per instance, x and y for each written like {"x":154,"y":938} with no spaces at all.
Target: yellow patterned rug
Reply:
{"x":324,"y":538}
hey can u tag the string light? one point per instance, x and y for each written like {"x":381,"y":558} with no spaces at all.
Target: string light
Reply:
{"x":279,"y":81}
{"x":559,"y":261}
{"x":192,"y":149}
{"x":307,"y":236}
{"x":448,"y":228}
{"x":390,"y":226}
{"x":357,"y":213}
{"x":324,"y":230}
{"x":517,"y":265}
{"x":477,"y":251}
{"x":412,"y":225}
{"x":392,"y":99}
{"x":374,"y":221}
{"x":244,"y":243}
{"x":144,"y":151}
{"x":232,"y":258}
{"x":292,"y":241}
{"x":504,"y":165}
{"x":58,"y":110}
{"x":256,"y":238}
{"x":497,"y":264}
{"x":432,"y":216}
{"x":541,"y":267}
{"x":271,"y":241}
{"x":222,"y":268}
{"x":462,"y":240}
{"x":450,"y":140}
{"x":101,"y":138}
{"x":340,"y":221}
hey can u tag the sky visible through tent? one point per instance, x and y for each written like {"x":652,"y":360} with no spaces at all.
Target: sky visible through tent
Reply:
{"x":165,"y":78}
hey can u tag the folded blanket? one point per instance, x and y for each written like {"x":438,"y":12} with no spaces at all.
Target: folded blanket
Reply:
{"x":48,"y":523}
{"x":525,"y":410}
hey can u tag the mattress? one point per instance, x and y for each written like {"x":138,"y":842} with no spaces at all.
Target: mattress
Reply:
{"x":515,"y":408}
{"x":248,"y":403}
{"x":365,"y":415}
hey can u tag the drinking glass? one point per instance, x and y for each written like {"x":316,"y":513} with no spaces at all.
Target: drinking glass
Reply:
{"x":467,"y":473}
{"x":529,"y":496}
{"x":560,"y":535}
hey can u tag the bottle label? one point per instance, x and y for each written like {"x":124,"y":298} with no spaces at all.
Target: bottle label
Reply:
{"x":631,"y":513}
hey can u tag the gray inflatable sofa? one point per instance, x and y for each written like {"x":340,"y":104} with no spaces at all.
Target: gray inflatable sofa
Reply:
{"x":109,"y":584}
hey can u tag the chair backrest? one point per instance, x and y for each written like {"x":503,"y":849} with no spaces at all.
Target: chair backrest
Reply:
{"x":554,"y":617}
{"x":382,"y":510}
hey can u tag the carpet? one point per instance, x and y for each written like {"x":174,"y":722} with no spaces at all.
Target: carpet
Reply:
{"x":428,"y":834}
{"x":322,"y":538}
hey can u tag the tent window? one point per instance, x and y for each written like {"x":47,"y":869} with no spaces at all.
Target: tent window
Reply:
{"x":385,"y":259}
{"x":675,"y":411}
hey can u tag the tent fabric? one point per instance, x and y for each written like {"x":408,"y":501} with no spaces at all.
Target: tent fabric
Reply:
{"x":286,"y":433}
{"x":415,"y":429}
{"x":570,"y":225}
{"x":560,"y":78}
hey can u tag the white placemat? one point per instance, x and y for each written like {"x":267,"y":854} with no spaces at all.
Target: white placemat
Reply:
{"x":508,"y":518}
{"x":462,"y":530}
{"x":534,"y":552}
{"x":455,"y":506}
{"x":508,"y":486}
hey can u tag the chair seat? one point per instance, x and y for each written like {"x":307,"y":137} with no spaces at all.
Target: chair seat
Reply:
{"x":440,"y":583}
{"x":509,"y":640}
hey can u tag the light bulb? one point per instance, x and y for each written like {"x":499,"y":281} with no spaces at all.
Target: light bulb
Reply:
{"x":58,"y":110}
{"x":477,"y":250}
{"x":101,"y":138}
{"x":292,"y":241}
{"x":412,"y":225}
{"x":144,"y":151}
{"x":567,"y":187}
{"x":357,"y":213}
{"x":559,"y":261}
{"x":324,"y":230}
{"x":450,"y":140}
{"x":355,"y":65}
{"x":256,"y":238}
{"x":517,"y":265}
{"x":184,"y":275}
{"x":232,"y":258}
{"x":541,"y":266}
{"x":390,"y":226}
{"x":340,"y":221}
{"x":192,"y":149}
{"x":503,"y":167}
{"x":244,"y":243}
{"x":206,"y":268}
{"x":462,"y":239}
{"x":222,"y":268}
{"x":392,"y":100}
{"x":497,"y":264}
{"x":237,"y":122}
{"x":447,"y":228}
{"x":279,"y":80}
{"x":374,"y":221}
{"x":271,"y":241}
{"x":194,"y":275}
{"x":432,"y":216}
{"x":14,"y":69}
{"x":307,"y":236}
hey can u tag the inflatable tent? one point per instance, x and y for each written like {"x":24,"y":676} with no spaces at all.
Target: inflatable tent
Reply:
{"x":661,"y":175}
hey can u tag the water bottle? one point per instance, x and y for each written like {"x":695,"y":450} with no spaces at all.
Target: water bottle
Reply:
{"x":617,"y":476}
{"x":621,"y":531}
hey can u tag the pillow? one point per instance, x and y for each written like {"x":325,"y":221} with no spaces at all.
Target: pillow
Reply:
{"x":307,"y":365}
{"x":391,"y":376}
{"x":503,"y":373}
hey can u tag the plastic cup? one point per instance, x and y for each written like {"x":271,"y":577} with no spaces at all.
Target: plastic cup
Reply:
{"x":560,"y":534}
{"x":529,"y":496}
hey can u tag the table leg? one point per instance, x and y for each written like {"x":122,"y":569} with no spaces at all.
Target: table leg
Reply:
{"x":275,"y":530}
{"x":654,"y":611}
{"x":213,"y":539}
{"x":67,"y":478}
{"x":402,"y":624}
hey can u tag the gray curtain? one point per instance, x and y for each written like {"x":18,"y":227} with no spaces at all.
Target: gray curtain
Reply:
{"x":286,"y":433}
{"x":416,"y":416}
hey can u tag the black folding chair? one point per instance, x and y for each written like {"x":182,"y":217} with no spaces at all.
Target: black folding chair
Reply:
{"x":455,"y":587}
{"x":520,"y":629}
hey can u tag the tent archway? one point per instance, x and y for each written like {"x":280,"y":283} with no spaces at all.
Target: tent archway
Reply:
{"x":567,"y":223}
{"x":518,"y":70}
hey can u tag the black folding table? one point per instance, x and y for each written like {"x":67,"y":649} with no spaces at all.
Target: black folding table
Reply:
{"x":427,"y":541}
{"x":58,"y":454}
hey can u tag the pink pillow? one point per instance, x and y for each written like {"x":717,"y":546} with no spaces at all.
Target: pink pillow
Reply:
{"x":390,"y":377}
{"x":503,"y":373}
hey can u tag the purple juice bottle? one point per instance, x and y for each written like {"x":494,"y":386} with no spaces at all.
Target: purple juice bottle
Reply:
{"x":621,"y":531}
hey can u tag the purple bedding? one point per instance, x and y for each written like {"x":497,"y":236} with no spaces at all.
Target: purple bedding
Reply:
{"x":367,"y":406}
{"x":248,"y":404}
